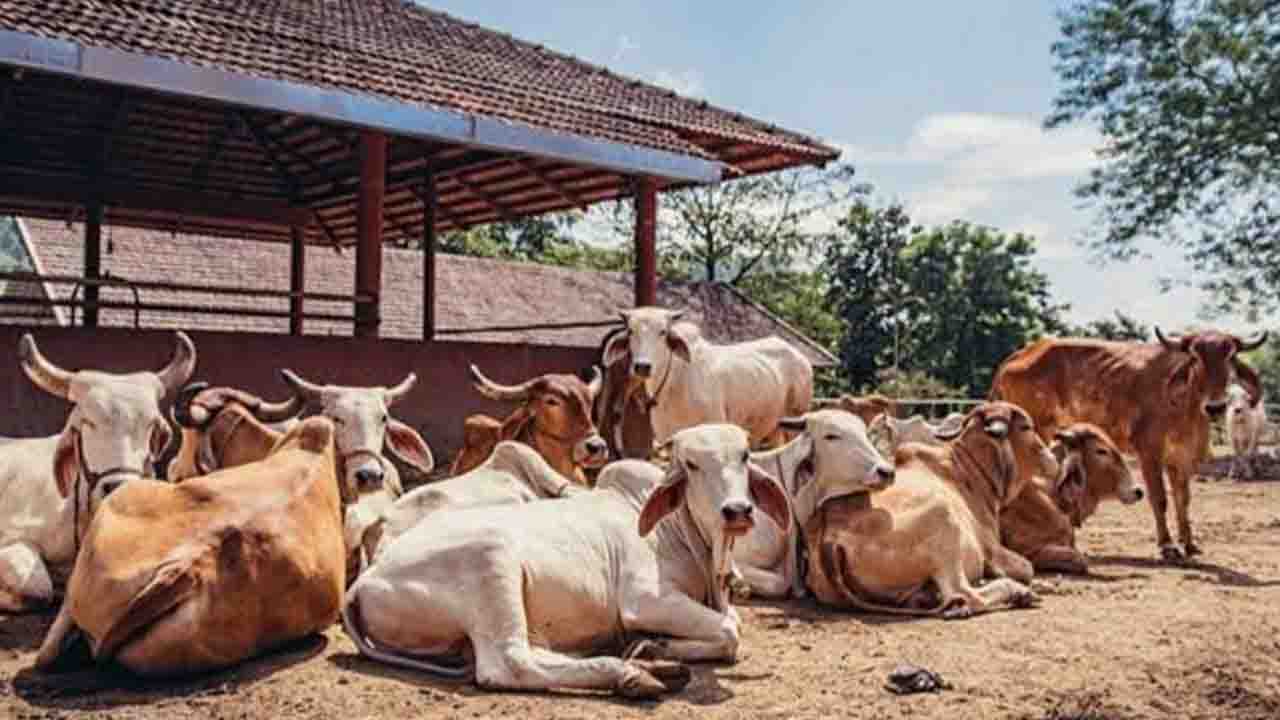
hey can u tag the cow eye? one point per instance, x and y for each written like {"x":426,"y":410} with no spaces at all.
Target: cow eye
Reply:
{"x":1103,"y":452}
{"x":385,"y":418}
{"x":553,"y":401}
{"x":832,"y":437}
{"x":88,"y":424}
{"x":690,"y":466}
{"x":746,"y":456}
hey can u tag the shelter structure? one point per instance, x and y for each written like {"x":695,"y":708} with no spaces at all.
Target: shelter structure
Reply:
{"x":341,"y":125}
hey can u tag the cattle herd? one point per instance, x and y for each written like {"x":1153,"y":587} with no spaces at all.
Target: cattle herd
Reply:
{"x":598,"y":537}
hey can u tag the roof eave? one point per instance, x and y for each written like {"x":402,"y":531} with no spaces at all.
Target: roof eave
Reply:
{"x":170,"y":77}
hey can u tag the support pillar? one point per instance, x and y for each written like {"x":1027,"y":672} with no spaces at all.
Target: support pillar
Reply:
{"x":92,"y":260}
{"x":646,"y":233}
{"x":373,"y":185}
{"x":297,"y":278}
{"x":429,"y":257}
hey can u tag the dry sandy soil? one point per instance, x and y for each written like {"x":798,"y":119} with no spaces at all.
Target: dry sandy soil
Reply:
{"x":1136,"y":640}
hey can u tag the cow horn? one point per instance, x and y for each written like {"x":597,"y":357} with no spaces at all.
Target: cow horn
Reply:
{"x":47,"y":376}
{"x":1173,"y":344}
{"x":396,"y":394}
{"x":182,"y":405}
{"x":181,"y":366}
{"x":596,"y":383}
{"x":946,"y":434}
{"x":309,"y":392}
{"x":277,"y":411}
{"x":1253,"y":343}
{"x":494,"y":391}
{"x":794,"y":424}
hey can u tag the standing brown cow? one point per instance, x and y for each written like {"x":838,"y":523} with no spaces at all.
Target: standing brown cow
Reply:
{"x":1155,"y":400}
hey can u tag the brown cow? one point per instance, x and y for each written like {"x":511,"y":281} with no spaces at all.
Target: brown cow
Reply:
{"x":1040,"y":525}
{"x":1155,"y":400}
{"x":918,"y":547}
{"x":174,"y":579}
{"x":554,"y":419}
{"x":224,"y":428}
{"x":867,"y":407}
{"x":622,"y":409}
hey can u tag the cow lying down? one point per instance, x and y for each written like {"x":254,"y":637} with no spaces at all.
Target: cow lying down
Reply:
{"x":186,"y":578}
{"x":919,"y":547}
{"x":514,"y":473}
{"x":502,"y":594}
{"x":829,"y":458}
{"x":1040,"y":525}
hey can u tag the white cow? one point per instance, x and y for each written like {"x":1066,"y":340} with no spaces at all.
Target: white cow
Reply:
{"x":889,"y":433}
{"x":50,"y":487}
{"x":513,"y":473}
{"x":526,"y":584}
{"x":691,"y":380}
{"x":1245,"y":426}
{"x":830,"y":458}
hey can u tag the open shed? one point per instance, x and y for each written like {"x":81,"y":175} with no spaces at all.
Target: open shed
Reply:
{"x":342,"y":124}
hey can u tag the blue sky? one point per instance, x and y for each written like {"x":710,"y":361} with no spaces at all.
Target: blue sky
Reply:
{"x":939,"y":108}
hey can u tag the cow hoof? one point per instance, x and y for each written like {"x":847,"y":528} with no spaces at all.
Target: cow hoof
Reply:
{"x":958,"y":612}
{"x":1171,"y":554}
{"x":674,"y":676}
{"x":1023,"y":599}
{"x":739,"y":590}
{"x":644,"y":650}
{"x":640,"y":685}
{"x":1192,"y":549}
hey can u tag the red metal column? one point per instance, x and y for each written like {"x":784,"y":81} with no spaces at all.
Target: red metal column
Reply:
{"x":646,"y":197}
{"x":297,"y":277}
{"x":373,"y":185}
{"x":429,"y":257}
{"x":92,"y":261}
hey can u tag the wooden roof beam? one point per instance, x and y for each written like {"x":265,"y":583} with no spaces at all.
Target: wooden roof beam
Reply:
{"x":217,"y":140}
{"x":498,"y":206}
{"x":565,"y":194}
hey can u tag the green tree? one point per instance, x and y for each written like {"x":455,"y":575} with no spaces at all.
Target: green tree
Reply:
{"x":867,"y":290}
{"x":1122,"y":328}
{"x":1187,"y":96}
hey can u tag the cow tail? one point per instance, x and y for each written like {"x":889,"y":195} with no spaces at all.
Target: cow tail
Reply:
{"x":352,"y":625}
{"x":833,"y":558}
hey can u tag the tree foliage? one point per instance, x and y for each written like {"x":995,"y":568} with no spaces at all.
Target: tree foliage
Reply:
{"x":1187,"y":96}
{"x":951,"y":301}
{"x":1123,"y":328}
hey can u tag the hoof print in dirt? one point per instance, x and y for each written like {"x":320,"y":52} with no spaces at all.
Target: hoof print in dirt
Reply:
{"x":908,"y":679}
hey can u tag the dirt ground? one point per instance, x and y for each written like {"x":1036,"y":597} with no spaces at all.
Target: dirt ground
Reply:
{"x":1136,"y":640}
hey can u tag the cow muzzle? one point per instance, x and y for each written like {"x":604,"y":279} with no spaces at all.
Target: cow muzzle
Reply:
{"x":882,"y":477}
{"x":1215,"y":408}
{"x":738,"y":516}
{"x":591,"y":452}
{"x":642,"y":369}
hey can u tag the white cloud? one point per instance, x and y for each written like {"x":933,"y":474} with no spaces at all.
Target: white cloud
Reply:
{"x":624,"y":47}
{"x":986,"y":147}
{"x":941,"y":203}
{"x":685,"y":82}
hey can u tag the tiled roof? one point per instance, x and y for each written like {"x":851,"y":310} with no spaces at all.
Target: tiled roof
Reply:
{"x":405,"y":52}
{"x":472,"y":292}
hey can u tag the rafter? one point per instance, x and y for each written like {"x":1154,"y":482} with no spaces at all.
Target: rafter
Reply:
{"x":287,"y":179}
{"x":444,"y":214}
{"x":498,"y":206}
{"x":565,"y":194}
{"x":217,"y":140}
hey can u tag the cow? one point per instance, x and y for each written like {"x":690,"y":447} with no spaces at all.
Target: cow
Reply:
{"x":622,"y":408}
{"x":520,"y":586}
{"x":225,"y":427}
{"x":554,"y":418}
{"x":513,"y":473}
{"x":1245,"y":424}
{"x":50,"y":487}
{"x":690,"y":380}
{"x":1040,"y":525}
{"x":1154,"y":400}
{"x":829,"y":458}
{"x":177,"y":579}
{"x":891,"y":433}
{"x":867,"y":407}
{"x":919,"y":546}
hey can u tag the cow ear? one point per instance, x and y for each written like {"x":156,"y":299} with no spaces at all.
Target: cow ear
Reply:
{"x":679,"y":346}
{"x":516,"y":423}
{"x":769,"y":496}
{"x":66,"y":461}
{"x":664,"y":500}
{"x":616,"y":348}
{"x":408,"y":445}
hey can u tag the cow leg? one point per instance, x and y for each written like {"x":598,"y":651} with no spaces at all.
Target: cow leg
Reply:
{"x":1180,"y":483}
{"x":765,"y":583}
{"x":514,"y":665}
{"x":59,"y":642}
{"x":25,"y":583}
{"x":1153,"y":477}
{"x":697,"y":632}
{"x":1062,"y":559}
{"x":961,"y":600}
{"x":1004,"y":562}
